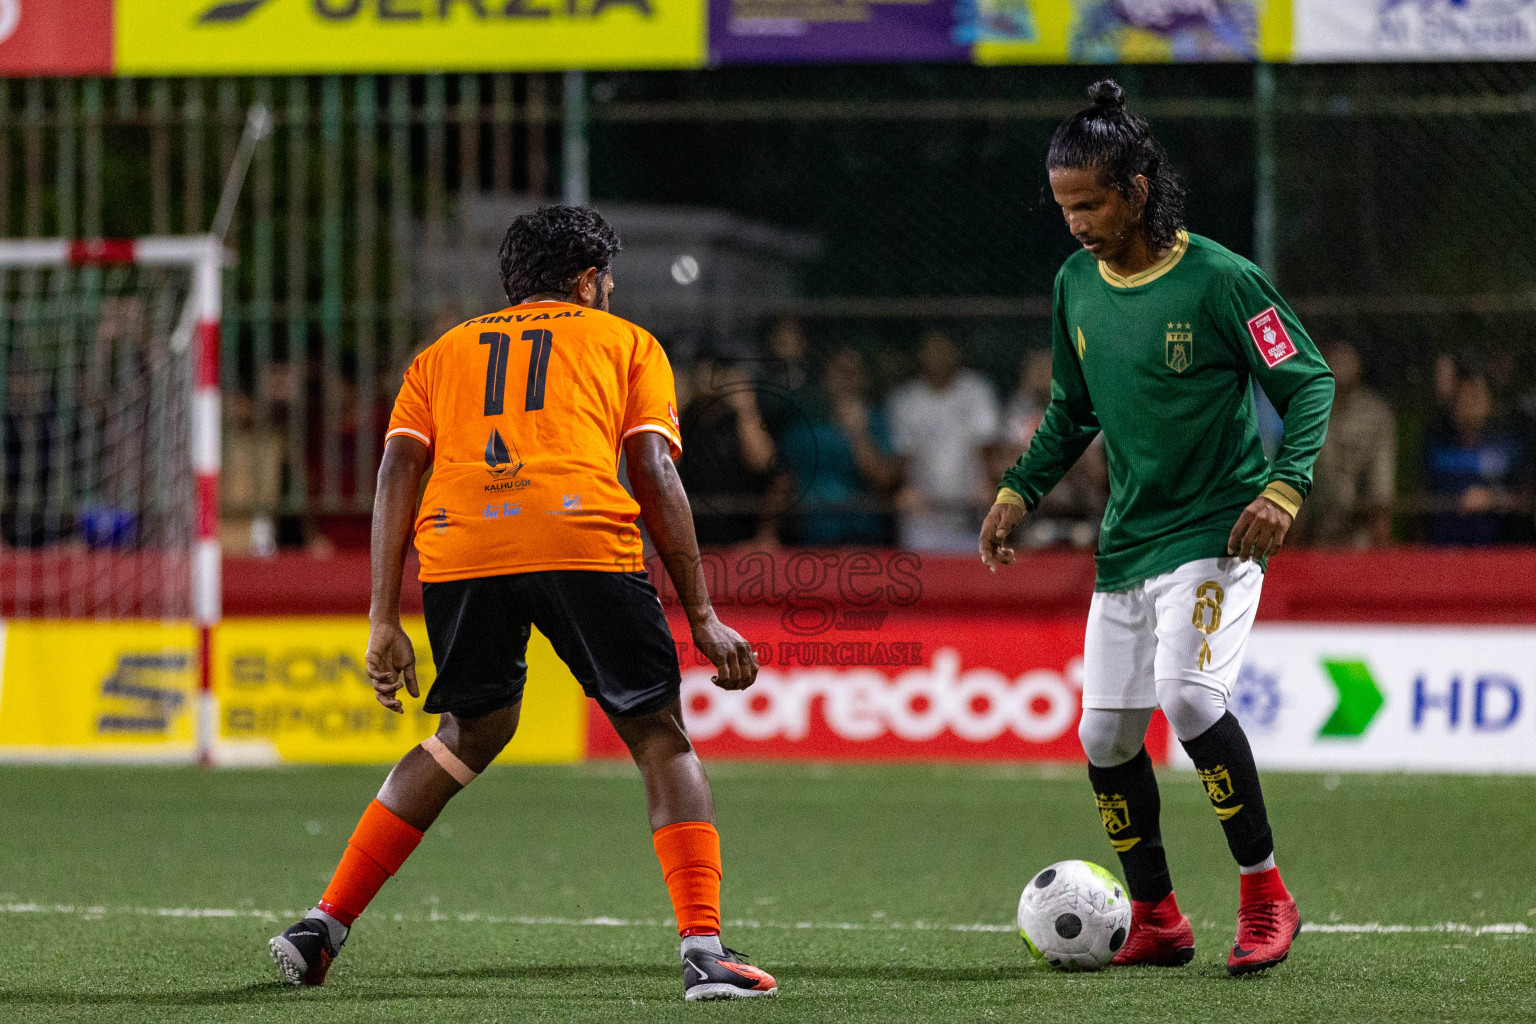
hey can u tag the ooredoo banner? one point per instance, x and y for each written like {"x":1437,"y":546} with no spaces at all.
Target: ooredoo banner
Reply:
{"x":888,"y":684}
{"x":1389,"y":698}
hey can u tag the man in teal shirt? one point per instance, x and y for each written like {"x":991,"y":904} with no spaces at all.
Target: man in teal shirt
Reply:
{"x":1157,"y":337}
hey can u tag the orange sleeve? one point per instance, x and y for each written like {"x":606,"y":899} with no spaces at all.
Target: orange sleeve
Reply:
{"x":413,"y":406}
{"x":652,"y":399}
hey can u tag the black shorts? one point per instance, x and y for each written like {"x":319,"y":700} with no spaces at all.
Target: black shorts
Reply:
{"x":608,"y":628}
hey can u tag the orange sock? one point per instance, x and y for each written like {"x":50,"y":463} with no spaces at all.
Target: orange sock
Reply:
{"x":690,"y":861}
{"x":379,"y":845}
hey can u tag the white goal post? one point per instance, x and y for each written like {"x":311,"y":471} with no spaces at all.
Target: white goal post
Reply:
{"x":109,"y":503}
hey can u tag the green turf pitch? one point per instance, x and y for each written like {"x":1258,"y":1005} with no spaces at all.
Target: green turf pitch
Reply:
{"x":491,"y":919}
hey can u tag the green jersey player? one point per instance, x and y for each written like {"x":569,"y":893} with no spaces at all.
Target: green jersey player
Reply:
{"x":1157,"y":336}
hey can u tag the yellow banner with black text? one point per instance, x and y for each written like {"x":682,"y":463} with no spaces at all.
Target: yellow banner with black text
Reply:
{"x":286,"y":690}
{"x":154,"y":37}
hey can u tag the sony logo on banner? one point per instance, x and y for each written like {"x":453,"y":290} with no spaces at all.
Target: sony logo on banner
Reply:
{"x":234,"y":11}
{"x":1491,"y":704}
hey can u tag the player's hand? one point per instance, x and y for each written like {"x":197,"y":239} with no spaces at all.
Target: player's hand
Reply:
{"x":391,"y":664}
{"x":731,"y":654}
{"x":994,"y":535}
{"x":1260,"y":530}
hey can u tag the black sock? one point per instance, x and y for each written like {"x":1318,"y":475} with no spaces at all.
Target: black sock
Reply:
{"x":1231,"y":779}
{"x":1129,"y":807}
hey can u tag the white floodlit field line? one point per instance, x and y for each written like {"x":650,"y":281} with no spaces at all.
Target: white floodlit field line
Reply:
{"x":471,"y":917}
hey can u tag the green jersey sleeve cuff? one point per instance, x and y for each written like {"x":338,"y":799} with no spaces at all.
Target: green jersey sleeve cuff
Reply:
{"x":1284,"y":495}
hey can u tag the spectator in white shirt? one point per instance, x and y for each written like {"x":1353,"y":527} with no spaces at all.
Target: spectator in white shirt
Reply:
{"x":941,"y":423}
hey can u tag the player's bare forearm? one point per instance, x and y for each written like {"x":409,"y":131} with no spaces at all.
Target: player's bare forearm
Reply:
{"x":394,"y":513}
{"x":391,"y":658}
{"x":668,"y":518}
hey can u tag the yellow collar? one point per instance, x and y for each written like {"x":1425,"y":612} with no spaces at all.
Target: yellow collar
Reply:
{"x":1152,"y":273}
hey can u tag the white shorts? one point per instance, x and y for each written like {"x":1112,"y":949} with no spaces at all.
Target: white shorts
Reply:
{"x":1190,"y":624}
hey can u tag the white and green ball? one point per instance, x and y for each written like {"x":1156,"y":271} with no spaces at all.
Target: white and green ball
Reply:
{"x":1074,"y":915}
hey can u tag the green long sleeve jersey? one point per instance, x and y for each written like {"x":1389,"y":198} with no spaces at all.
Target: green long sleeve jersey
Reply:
{"x":1161,"y":363}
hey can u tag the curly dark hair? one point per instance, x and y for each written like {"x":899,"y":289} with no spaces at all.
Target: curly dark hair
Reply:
{"x":544,"y":251}
{"x":1121,"y":145}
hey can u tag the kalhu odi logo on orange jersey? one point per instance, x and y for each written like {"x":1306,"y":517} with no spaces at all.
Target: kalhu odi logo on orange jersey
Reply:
{"x":501,"y":464}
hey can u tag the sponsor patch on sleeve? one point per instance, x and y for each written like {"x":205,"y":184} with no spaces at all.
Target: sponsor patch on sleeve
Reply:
{"x":1268,"y":333}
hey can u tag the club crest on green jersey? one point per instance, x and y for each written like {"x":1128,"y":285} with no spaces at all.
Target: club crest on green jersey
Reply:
{"x":1179,"y":347}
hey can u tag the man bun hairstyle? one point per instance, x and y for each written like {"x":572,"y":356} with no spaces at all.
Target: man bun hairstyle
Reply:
{"x":543,"y":252}
{"x":1120,"y":146}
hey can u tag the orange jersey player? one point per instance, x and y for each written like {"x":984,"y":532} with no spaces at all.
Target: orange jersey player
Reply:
{"x":524,"y":412}
{"x":521,"y":416}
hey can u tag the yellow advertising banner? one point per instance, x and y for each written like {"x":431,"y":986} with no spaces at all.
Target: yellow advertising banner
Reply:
{"x":297,"y":689}
{"x":1110,"y":32}
{"x":111,"y":690}
{"x":169,"y":37}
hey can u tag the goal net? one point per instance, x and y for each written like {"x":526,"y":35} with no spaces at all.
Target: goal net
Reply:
{"x":109,"y":353}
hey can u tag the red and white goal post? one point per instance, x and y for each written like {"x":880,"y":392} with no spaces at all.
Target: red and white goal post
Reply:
{"x":109,"y":496}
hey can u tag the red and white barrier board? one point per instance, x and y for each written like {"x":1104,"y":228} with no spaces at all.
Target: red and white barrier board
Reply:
{"x":897,"y":685}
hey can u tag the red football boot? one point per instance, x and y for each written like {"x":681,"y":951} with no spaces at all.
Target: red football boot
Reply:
{"x":1160,"y":936}
{"x":1267,"y":921}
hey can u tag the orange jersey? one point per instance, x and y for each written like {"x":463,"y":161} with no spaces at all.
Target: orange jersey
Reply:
{"x":524,"y":412}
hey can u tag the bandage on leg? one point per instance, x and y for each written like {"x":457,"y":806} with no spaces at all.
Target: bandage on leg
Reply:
{"x":449,"y":761}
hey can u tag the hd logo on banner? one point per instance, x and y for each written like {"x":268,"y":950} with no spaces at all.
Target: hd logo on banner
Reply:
{"x":319,"y":36}
{"x":1389,"y":698}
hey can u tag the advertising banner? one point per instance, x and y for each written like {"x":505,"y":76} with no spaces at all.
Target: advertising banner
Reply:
{"x":320,"y":36}
{"x":55,"y":37}
{"x":109,"y":690}
{"x":1383,"y":698}
{"x":297,"y":689}
{"x":1126,"y":31}
{"x":826,"y":31}
{"x":1350,"y":30}
{"x":888,"y":684}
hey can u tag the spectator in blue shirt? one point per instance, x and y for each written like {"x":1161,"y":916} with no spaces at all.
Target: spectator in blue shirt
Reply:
{"x":838,"y":453}
{"x":1474,"y":472}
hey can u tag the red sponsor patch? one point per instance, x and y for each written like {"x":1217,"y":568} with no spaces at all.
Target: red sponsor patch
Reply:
{"x":672,"y":415}
{"x":1268,"y":332}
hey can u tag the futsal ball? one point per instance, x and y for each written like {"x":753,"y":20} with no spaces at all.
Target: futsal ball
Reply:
{"x":1074,"y":915}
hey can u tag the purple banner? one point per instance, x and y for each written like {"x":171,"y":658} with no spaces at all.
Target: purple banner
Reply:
{"x":819,"y":31}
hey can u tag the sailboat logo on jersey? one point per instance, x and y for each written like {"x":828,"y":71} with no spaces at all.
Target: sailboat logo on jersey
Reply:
{"x":1179,"y":347}
{"x":501,"y":464}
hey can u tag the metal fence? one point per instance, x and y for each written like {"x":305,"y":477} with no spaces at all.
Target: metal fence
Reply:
{"x":1394,"y":204}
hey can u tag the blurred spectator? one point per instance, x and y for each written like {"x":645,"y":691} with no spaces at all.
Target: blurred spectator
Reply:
{"x":1354,"y":479}
{"x":839,"y":453}
{"x":786,"y":375}
{"x":1071,"y":512}
{"x":251,"y":480}
{"x":32,"y":452}
{"x":1473,"y":473}
{"x":728,"y":456}
{"x":941,"y":424}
